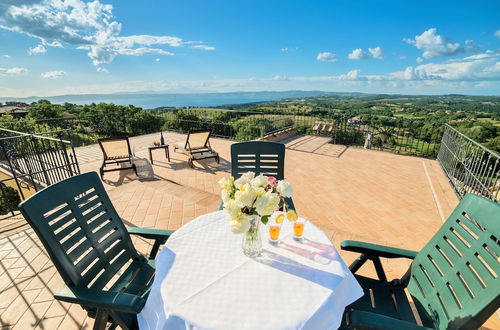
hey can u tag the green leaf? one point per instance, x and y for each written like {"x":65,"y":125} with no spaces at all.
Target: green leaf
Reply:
{"x":264,"y":219}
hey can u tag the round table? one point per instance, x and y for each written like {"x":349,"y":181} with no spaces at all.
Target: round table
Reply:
{"x":203,"y":281}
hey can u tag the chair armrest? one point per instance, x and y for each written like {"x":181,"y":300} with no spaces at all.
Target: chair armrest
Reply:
{"x":116,"y":301}
{"x":370,"y":249}
{"x":159,"y":235}
{"x":372,"y":321}
{"x":156,"y":234}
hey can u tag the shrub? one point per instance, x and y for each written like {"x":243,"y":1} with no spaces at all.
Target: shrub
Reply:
{"x":9,"y":199}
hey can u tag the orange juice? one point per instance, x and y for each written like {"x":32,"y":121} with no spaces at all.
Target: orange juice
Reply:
{"x":274,"y":233}
{"x":298,"y":229}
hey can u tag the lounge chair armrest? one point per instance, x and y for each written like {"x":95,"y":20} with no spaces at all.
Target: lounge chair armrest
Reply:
{"x":116,"y":301}
{"x":370,"y":249}
{"x":372,"y":321}
{"x":156,"y":234}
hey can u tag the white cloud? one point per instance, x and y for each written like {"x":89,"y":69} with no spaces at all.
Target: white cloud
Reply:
{"x":326,"y":57}
{"x":419,"y":59}
{"x":85,"y":25}
{"x":402,"y":57}
{"x":434,"y":45}
{"x":279,"y":78}
{"x":6,"y":56}
{"x":203,"y":47}
{"x":53,"y":74}
{"x":99,"y":69}
{"x":485,"y":66}
{"x":377,"y":53}
{"x":289,"y":49}
{"x":40,"y":49}
{"x":351,"y":75}
{"x":497,"y":33}
{"x":55,"y":44}
{"x":157,"y":60}
{"x":359,"y":54}
{"x":143,"y":51}
{"x":16,"y":71}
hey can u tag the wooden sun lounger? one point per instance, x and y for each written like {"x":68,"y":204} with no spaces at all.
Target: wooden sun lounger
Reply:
{"x":197,"y":146}
{"x":116,"y":151}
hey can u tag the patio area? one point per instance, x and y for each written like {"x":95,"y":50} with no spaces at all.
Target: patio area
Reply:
{"x":349,"y":193}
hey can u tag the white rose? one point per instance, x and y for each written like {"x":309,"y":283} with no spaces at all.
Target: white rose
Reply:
{"x":232,"y":208}
{"x":267,"y":204}
{"x":285,"y":189}
{"x":226,"y":183}
{"x":260,"y":191}
{"x":259,"y":181}
{"x":239,"y":224}
{"x":245,"y":195}
{"x":226,"y":196}
{"x":244,"y":179}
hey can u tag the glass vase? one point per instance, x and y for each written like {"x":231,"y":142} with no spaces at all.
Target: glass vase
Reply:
{"x":252,"y":243}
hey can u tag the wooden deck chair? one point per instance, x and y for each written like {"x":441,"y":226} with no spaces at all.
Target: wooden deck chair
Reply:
{"x":317,"y":127}
{"x":197,"y":146}
{"x":116,"y":151}
{"x":327,"y":127}
{"x":330,"y":128}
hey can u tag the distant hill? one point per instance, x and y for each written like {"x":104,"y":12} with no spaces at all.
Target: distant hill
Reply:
{"x":155,"y":100}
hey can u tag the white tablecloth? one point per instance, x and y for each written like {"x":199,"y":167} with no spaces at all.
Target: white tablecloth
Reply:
{"x":203,"y":281}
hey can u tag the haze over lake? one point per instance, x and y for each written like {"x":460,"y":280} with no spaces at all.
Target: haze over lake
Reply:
{"x":154,"y":100}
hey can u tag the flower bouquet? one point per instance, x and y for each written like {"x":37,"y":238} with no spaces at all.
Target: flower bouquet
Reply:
{"x":250,"y":200}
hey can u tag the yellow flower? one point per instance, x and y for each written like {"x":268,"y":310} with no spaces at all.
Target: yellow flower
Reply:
{"x":291,"y":215}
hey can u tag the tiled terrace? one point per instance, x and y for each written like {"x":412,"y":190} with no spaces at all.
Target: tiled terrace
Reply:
{"x":350,"y":193}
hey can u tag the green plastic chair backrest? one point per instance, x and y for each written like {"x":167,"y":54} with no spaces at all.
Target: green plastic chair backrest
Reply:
{"x":81,"y":231}
{"x":267,"y":158}
{"x":454,"y":280}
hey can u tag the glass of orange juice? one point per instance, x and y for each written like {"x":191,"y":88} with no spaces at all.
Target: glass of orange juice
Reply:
{"x":298,"y":229}
{"x":274,"y":226}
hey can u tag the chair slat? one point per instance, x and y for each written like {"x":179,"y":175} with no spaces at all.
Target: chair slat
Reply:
{"x":75,"y":238}
{"x":109,"y":228}
{"x":89,"y":217}
{"x":81,"y":251}
{"x":63,"y":233}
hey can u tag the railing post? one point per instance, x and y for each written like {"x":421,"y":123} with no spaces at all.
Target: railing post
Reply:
{"x":39,"y":156}
{"x":65,"y":154}
{"x":12,"y":170}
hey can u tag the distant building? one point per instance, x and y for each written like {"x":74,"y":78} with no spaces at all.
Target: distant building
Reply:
{"x":357,"y":120}
{"x":20,"y":110}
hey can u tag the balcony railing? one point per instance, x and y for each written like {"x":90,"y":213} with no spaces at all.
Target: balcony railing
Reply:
{"x":469,"y":166}
{"x":30,"y":162}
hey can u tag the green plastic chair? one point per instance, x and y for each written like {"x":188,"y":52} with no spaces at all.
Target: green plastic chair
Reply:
{"x":453,"y":281}
{"x":267,"y":158}
{"x":92,"y":250}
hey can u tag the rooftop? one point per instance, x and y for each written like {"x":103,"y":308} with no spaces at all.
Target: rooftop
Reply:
{"x":350,"y":193}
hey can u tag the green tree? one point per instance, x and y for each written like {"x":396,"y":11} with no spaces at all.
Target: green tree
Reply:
{"x":43,"y":111}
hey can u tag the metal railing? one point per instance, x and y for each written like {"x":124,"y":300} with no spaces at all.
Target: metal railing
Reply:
{"x":30,"y":162}
{"x":469,"y":166}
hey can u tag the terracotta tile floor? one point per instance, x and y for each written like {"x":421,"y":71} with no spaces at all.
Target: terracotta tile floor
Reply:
{"x":350,"y":193}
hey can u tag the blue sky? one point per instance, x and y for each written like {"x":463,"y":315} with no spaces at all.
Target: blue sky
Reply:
{"x":54,"y":47}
